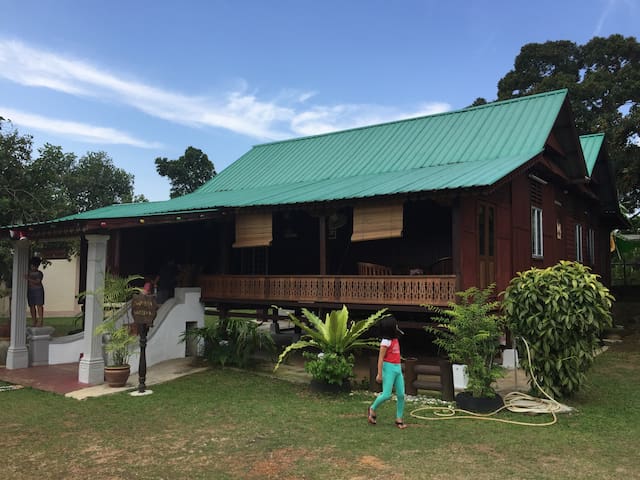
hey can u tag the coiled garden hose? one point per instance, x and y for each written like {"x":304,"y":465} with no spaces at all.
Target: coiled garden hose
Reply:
{"x":516,"y":402}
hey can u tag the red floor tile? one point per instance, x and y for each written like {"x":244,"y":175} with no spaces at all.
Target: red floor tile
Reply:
{"x":60,"y":379}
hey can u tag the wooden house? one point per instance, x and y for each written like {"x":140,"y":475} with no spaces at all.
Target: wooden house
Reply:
{"x":395,"y":215}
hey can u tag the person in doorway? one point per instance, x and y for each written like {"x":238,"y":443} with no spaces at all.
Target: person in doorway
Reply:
{"x":166,"y":281}
{"x":147,"y":289}
{"x":35,"y":292}
{"x":389,"y":371}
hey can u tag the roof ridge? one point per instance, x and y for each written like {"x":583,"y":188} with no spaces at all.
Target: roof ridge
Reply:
{"x":412,"y":119}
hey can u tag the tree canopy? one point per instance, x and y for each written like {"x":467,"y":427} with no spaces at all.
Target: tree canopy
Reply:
{"x":188,"y":172}
{"x":603,"y":78}
{"x":53,"y":184}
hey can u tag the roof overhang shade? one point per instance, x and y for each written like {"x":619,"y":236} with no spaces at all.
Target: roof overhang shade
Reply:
{"x":377,"y":221}
{"x":253,"y":230}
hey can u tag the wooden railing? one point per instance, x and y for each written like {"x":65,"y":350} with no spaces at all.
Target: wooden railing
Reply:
{"x":388,"y":290}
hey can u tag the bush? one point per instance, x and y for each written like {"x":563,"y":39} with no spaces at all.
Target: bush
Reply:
{"x":469,"y":331}
{"x":329,"y":367}
{"x":335,"y":338}
{"x":561,"y":311}
{"x":231,"y":341}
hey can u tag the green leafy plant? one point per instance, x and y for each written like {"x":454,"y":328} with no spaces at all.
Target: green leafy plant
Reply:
{"x":329,"y":367}
{"x":335,"y":337}
{"x":118,"y":342}
{"x":469,"y":331}
{"x":561,"y":312}
{"x":231,"y":341}
{"x":114,"y":295}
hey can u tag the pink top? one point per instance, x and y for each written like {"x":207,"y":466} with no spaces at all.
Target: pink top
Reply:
{"x":392,"y":355}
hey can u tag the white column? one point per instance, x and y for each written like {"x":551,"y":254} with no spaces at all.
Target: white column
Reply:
{"x":91,"y":368}
{"x":17,"y":354}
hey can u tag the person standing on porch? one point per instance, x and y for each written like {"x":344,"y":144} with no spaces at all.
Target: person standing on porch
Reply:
{"x":35,"y":292}
{"x":389,"y":371}
{"x":166,"y":281}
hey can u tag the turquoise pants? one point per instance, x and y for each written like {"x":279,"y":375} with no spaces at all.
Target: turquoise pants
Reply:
{"x":391,"y":377}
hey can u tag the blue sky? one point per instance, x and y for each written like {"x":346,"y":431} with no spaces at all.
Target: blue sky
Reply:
{"x":145,"y":79}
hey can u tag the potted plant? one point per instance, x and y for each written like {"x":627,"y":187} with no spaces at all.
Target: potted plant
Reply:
{"x":332,"y":342}
{"x":469,"y":331}
{"x":118,"y":343}
{"x":118,"y":340}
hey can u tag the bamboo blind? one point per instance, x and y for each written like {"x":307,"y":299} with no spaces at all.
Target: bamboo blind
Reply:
{"x":253,"y":230}
{"x":377,"y":221}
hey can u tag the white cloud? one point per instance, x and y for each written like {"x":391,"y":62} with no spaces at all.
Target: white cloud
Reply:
{"x":611,"y":7}
{"x":339,"y":117}
{"x":237,"y":111}
{"x":77,"y":131}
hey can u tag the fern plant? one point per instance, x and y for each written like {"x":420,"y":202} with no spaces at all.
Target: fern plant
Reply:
{"x":335,"y":337}
{"x":469,"y":331}
{"x":231,"y":341}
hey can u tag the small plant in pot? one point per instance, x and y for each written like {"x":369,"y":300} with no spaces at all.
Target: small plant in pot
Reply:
{"x":332,"y":342}
{"x":118,"y":340}
{"x":469,"y":331}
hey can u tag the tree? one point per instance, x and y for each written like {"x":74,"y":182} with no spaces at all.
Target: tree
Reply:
{"x":52,"y":185}
{"x":188,"y":172}
{"x":603,"y":78}
{"x":115,"y":185}
{"x":15,"y":155}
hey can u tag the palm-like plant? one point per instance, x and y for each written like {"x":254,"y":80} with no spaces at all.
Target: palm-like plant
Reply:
{"x":335,"y":335}
{"x":114,"y":295}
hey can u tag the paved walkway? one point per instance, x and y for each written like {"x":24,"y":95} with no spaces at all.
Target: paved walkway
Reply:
{"x":63,"y":379}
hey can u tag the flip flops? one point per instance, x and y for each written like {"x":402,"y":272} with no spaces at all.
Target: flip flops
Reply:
{"x":371,"y":416}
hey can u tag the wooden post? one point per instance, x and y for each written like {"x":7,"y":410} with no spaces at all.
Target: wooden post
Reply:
{"x":410,"y":376}
{"x":373,"y":371}
{"x":323,"y":244}
{"x":446,"y":380}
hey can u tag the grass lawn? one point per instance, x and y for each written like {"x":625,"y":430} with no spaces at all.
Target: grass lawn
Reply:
{"x":63,"y":325}
{"x":228,"y":424}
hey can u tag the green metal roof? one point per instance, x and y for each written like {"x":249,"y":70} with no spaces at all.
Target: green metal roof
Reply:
{"x":591,"y":146}
{"x":514,"y":130}
{"x":473,"y":147}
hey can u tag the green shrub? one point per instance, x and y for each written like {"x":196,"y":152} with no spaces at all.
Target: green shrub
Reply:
{"x":329,"y":367}
{"x":335,"y":337}
{"x":561,"y":312}
{"x":231,"y":341}
{"x":469,"y":331}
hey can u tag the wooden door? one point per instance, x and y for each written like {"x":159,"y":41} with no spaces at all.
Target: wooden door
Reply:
{"x":486,"y":244}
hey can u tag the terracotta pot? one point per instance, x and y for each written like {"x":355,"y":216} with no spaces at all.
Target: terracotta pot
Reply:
{"x":117,"y":376}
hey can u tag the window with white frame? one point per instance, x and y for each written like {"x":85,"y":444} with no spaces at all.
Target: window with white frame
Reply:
{"x":591,"y":246}
{"x":579,"y":257}
{"x":536,"y":232}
